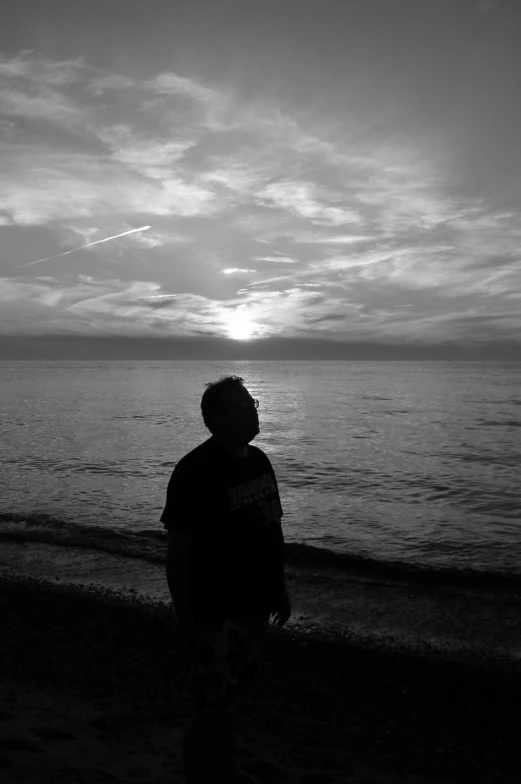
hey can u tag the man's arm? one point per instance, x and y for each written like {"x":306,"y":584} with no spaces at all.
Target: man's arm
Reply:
{"x":276,"y":505}
{"x":282,"y":577}
{"x":178,"y":566}
{"x":283,"y":602}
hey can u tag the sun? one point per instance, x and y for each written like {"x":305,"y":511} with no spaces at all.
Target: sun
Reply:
{"x":240,"y":326}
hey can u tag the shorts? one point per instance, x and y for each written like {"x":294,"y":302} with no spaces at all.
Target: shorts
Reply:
{"x":227,"y":662}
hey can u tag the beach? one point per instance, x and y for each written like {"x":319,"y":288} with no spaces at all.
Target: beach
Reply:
{"x":93,"y":690}
{"x":401,"y":662}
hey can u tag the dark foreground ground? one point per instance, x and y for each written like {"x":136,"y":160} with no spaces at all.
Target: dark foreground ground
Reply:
{"x":92,"y":689}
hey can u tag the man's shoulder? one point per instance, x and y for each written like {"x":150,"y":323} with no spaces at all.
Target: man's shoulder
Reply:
{"x":205,"y":454}
{"x":257,"y":453}
{"x":260,"y":458}
{"x":200,"y":454}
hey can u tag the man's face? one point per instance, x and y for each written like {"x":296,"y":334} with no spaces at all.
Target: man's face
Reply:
{"x":237,"y":419}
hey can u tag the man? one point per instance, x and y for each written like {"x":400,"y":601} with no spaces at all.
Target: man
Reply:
{"x":225,"y":572}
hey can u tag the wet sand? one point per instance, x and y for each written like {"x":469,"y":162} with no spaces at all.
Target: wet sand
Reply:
{"x":92,"y":689}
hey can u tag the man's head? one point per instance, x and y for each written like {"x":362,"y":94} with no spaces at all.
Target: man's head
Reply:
{"x":229,"y":411}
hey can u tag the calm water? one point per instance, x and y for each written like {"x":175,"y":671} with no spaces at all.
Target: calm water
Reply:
{"x":416,"y":462}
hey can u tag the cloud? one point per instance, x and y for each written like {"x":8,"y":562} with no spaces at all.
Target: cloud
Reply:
{"x":100,"y":84}
{"x":208,"y":106}
{"x":114,"y":306}
{"x":42,"y":183}
{"x":169,"y":83}
{"x":302,"y":199}
{"x":275,"y":259}
{"x":152,"y":158}
{"x":235,"y":271}
{"x":332,"y":239}
{"x":87,"y":153}
{"x":156,"y":239}
{"x":270,"y":280}
{"x":46,"y":105}
{"x":55,"y":186}
{"x":158,"y":296}
{"x":235,"y":176}
{"x":33,"y":68}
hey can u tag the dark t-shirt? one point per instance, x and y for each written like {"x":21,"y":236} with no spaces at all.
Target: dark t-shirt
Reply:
{"x":232,"y":505}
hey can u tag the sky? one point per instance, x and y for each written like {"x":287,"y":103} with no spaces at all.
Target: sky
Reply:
{"x":260,"y":179}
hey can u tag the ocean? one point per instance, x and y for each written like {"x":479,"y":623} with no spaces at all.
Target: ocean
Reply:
{"x":405,"y":462}
{"x":386,"y":470}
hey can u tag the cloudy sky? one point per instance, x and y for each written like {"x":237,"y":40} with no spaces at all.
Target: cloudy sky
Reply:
{"x":239,"y":173}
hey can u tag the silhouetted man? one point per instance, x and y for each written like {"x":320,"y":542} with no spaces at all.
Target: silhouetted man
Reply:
{"x":225,"y":572}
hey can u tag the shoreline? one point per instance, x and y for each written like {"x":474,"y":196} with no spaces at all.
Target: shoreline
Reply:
{"x":33,"y":529}
{"x":385,"y":716}
{"x":440,"y":621}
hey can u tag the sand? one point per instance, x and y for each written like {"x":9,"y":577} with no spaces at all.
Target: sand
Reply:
{"x":92,"y":690}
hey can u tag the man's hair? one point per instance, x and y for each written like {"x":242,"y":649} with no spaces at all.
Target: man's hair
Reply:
{"x":213,"y":396}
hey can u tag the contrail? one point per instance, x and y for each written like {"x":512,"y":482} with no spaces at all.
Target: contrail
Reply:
{"x":88,"y":245}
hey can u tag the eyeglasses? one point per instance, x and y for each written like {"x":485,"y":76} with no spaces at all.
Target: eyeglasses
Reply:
{"x":253,"y":404}
{"x":245,"y":404}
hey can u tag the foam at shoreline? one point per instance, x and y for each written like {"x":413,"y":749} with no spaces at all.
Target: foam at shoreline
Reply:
{"x":149,"y":545}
